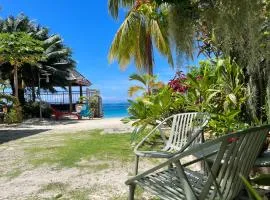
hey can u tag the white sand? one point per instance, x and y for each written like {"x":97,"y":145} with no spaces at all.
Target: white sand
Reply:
{"x":109,"y":125}
{"x":28,"y":184}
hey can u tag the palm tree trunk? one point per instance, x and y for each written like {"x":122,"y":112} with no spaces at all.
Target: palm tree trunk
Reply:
{"x":149,"y":51}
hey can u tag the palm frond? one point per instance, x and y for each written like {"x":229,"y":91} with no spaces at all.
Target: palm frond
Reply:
{"x":137,"y":77}
{"x":52,"y":39}
{"x":122,"y":46}
{"x":161,"y":39}
{"x":134,"y":89}
{"x":114,"y":6}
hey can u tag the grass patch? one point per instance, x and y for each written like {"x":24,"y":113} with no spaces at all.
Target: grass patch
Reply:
{"x":95,"y":167}
{"x":55,"y":186}
{"x":13,"y":174}
{"x":79,"y":194}
{"x":63,"y":192}
{"x":83,"y":146}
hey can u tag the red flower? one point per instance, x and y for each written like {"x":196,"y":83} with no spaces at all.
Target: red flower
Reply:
{"x":178,"y":83}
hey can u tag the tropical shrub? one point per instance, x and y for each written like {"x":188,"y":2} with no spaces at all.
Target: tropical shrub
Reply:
{"x":14,"y":114}
{"x":32,"y":110}
{"x":216,"y":87}
{"x":93,"y":103}
{"x":145,"y":111}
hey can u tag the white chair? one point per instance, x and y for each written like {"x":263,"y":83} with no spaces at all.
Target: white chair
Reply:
{"x":183,"y":127}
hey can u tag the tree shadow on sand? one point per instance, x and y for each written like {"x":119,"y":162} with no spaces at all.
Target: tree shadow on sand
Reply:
{"x":9,"y":135}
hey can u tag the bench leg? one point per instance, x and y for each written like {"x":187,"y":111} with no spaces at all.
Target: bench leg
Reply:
{"x":131,"y":192}
{"x":170,"y":166}
{"x":136,"y":165}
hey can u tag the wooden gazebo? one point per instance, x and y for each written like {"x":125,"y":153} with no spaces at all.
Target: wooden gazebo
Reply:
{"x":76,"y":79}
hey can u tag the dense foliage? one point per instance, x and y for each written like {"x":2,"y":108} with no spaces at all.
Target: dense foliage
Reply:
{"x":18,"y":49}
{"x":215,"y":87}
{"x":56,"y":57}
{"x":234,"y":36}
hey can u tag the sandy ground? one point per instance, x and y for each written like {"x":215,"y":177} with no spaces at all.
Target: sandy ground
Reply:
{"x":19,"y":180}
{"x":109,"y":125}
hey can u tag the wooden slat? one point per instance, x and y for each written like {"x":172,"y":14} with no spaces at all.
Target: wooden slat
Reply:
{"x":232,"y":159}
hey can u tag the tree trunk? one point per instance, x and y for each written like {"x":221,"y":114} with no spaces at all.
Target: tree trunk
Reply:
{"x":16,"y":82}
{"x":21,"y":96}
{"x":33,"y":93}
{"x":149,"y":52}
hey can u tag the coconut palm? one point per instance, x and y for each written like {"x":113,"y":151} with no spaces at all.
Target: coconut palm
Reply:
{"x":58,"y":57}
{"x":58,"y":63}
{"x":144,"y":27}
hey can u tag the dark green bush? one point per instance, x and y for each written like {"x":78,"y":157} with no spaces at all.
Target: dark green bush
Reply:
{"x":14,"y":114}
{"x":31,"y":110}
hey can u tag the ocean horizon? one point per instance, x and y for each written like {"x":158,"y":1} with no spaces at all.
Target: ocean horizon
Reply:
{"x":112,"y":110}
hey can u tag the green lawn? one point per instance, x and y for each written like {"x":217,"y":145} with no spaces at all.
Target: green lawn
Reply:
{"x":80,"y":146}
{"x":92,"y":152}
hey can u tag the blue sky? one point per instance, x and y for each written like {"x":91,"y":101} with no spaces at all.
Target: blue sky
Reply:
{"x":88,"y":29}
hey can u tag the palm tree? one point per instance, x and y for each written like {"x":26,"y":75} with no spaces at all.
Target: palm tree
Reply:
{"x":144,"y":27}
{"x":58,"y":63}
{"x":148,"y":84}
{"x":58,"y":57}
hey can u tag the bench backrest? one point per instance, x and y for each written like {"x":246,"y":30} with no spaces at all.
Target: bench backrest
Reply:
{"x":183,"y":126}
{"x":236,"y":156}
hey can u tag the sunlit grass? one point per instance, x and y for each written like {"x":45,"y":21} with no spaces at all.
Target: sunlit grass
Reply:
{"x":83,"y":146}
{"x":62,"y":191}
{"x":13,"y":173}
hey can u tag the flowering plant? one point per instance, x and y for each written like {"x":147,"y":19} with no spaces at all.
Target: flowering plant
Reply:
{"x":178,"y":83}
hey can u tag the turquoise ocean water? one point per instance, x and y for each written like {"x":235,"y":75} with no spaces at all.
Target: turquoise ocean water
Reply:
{"x":111,"y":110}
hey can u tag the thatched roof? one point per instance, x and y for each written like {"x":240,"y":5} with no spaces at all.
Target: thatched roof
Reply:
{"x":78,"y":79}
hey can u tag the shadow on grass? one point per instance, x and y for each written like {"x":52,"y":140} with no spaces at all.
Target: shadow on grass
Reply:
{"x":9,"y":135}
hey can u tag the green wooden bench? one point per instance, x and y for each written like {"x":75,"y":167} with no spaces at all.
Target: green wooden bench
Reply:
{"x":220,"y":181}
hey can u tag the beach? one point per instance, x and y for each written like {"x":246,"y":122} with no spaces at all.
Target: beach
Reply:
{"x":109,"y":125}
{"x":90,"y":178}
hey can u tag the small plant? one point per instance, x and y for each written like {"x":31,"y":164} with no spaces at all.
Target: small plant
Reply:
{"x":178,"y":83}
{"x":14,"y":111}
{"x":147,"y":84}
{"x":32,"y":109}
{"x":93,"y":103}
{"x":145,"y":111}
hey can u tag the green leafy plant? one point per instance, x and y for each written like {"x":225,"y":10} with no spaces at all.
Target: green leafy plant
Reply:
{"x":147,"y":84}
{"x":144,"y":112}
{"x":217,"y":87}
{"x":14,"y":114}
{"x":32,"y":109}
{"x":17,"y":49}
{"x":93,"y":102}
{"x":253,"y":194}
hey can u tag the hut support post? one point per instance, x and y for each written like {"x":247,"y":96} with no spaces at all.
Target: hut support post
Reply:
{"x":70,"y":98}
{"x":81,"y":93}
